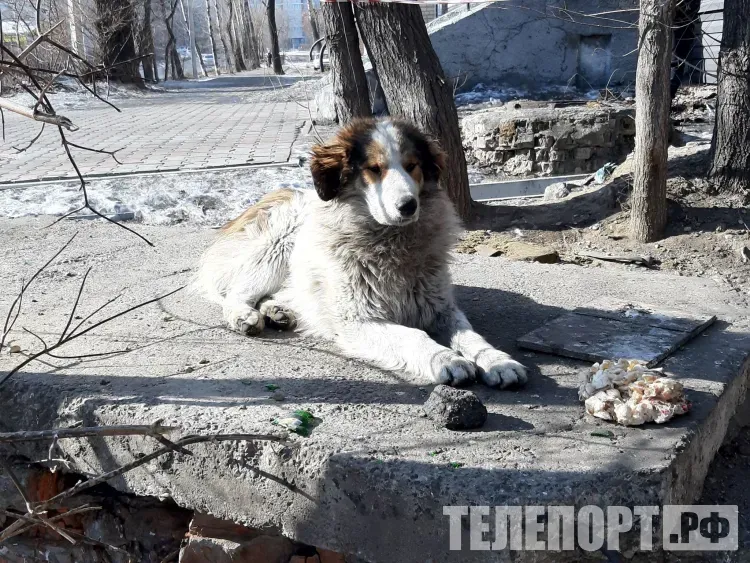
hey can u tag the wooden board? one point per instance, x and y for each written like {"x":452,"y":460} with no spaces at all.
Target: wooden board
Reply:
{"x":613,"y":329}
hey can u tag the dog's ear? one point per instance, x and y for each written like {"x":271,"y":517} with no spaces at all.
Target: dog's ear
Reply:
{"x":433,"y":161}
{"x":327,"y":166}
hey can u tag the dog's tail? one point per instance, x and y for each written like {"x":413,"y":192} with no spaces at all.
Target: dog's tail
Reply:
{"x":252,"y":251}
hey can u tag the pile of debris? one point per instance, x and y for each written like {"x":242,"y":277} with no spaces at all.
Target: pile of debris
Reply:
{"x":548,"y":140}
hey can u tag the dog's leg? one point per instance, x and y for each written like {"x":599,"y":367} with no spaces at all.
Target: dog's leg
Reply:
{"x":259,"y":276}
{"x":496,"y":368}
{"x":395,"y":347}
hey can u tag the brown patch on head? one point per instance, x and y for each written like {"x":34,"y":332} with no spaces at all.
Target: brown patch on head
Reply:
{"x":422,"y":157}
{"x":259,"y":211}
{"x":375,"y":165}
{"x":334,"y":163}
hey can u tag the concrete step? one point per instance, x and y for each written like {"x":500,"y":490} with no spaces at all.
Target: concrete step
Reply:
{"x":374,"y":476}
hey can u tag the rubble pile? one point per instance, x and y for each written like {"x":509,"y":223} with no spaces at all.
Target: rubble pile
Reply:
{"x":548,"y":141}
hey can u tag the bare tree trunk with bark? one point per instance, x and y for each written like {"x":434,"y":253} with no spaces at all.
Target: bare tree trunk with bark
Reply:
{"x":190,"y":40}
{"x":313,"y":20}
{"x":414,"y":85}
{"x":730,"y":150}
{"x":253,"y":53}
{"x":648,"y":214}
{"x":350,"y":92}
{"x":234,"y":41}
{"x":227,"y":51}
{"x":378,"y":93}
{"x":115,"y":22}
{"x":274,"y":34}
{"x":146,"y":44}
{"x":171,"y":57}
{"x":211,"y":39}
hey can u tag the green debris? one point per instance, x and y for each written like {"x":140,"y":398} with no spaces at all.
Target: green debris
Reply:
{"x":456,"y":464}
{"x":300,"y":422}
{"x":271,"y":386}
{"x":603,"y":433}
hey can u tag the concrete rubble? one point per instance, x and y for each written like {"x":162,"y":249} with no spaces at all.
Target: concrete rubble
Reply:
{"x":548,"y":141}
{"x":371,"y":480}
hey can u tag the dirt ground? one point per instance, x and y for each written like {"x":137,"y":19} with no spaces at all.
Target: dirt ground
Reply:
{"x":708,"y":235}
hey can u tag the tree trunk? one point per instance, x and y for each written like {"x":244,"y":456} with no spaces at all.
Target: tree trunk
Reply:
{"x":115,"y":22}
{"x":274,"y":34}
{"x":313,"y":20}
{"x":253,"y":53}
{"x":170,"y":51}
{"x":227,"y":52}
{"x":648,"y":215}
{"x":730,"y":162}
{"x":211,"y":39}
{"x":146,"y":43}
{"x":378,"y":94}
{"x":234,"y":42}
{"x":190,"y":40}
{"x":350,"y":94}
{"x":414,"y":85}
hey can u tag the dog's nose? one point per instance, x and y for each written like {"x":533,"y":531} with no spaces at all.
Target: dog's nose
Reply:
{"x":407,"y":207}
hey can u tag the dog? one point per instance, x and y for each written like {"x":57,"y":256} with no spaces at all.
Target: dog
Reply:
{"x":362,"y":260}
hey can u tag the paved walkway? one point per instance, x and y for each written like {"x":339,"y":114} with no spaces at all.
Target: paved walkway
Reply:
{"x":200,"y":127}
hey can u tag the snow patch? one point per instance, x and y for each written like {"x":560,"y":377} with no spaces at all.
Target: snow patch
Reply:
{"x":206,"y":198}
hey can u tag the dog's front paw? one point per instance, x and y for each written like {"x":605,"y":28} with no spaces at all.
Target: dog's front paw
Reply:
{"x":452,"y":369}
{"x":278,"y":316}
{"x":245,"y":320}
{"x":500,"y":370}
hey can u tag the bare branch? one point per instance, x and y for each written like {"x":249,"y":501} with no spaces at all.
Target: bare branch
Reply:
{"x":155,"y":429}
{"x":190,"y":440}
{"x":34,"y":140}
{"x":17,"y":301}
{"x":58,"y":120}
{"x":73,"y":336}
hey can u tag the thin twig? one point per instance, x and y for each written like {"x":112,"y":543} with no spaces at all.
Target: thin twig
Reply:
{"x":190,"y":440}
{"x":72,"y":336}
{"x":8,"y":323}
{"x":155,"y":429}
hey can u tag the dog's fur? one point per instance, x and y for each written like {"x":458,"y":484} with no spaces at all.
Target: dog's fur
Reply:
{"x":359,"y":263}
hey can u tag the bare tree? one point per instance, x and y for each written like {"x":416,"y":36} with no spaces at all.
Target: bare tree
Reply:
{"x":171,"y":57}
{"x":347,"y":71}
{"x":648,"y":215}
{"x":313,"y":17}
{"x":415,"y":86}
{"x":227,"y":52}
{"x":730,"y":162}
{"x":211,"y":39}
{"x":274,"y":34}
{"x":234,"y":42}
{"x":249,"y":35}
{"x":146,"y":45}
{"x":115,"y":23}
{"x":189,"y":33}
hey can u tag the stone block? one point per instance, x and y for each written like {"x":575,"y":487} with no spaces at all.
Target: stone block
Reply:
{"x":263,"y":549}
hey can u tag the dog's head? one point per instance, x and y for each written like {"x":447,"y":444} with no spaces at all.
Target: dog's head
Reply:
{"x":390,"y":165}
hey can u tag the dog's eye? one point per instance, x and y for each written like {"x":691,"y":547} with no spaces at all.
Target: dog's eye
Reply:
{"x":410,"y":167}
{"x":375,"y":169}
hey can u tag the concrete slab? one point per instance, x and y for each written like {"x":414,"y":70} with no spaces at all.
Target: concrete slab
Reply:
{"x":375,"y":474}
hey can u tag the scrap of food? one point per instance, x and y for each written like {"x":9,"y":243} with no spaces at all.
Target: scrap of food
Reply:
{"x":630,"y":394}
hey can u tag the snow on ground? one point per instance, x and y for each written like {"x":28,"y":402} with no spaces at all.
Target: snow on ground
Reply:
{"x":482,"y":94}
{"x":205,"y":198}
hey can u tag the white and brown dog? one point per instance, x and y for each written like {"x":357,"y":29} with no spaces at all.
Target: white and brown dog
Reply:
{"x":364,"y":262}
